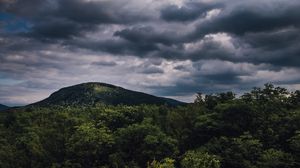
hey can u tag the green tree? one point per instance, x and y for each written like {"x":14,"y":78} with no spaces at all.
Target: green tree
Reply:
{"x":165,"y":163}
{"x":236,"y":152}
{"x":89,"y":145}
{"x":235,"y":118}
{"x":31,"y":146}
{"x":197,"y":159}
{"x":143,"y":142}
{"x":294,"y":144}
{"x":273,"y":158}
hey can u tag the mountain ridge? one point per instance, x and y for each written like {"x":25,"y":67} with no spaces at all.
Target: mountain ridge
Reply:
{"x":92,"y":93}
{"x":3,"y":107}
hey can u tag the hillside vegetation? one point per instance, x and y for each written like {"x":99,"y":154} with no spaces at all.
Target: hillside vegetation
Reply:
{"x":3,"y":107}
{"x":93,"y":93}
{"x":260,"y":129}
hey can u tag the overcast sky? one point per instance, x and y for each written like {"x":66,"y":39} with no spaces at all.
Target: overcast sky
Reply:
{"x":172,"y":48}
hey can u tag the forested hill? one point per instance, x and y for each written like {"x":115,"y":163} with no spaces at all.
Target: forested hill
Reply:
{"x":94,"y":93}
{"x":260,"y":129}
{"x":3,"y":107}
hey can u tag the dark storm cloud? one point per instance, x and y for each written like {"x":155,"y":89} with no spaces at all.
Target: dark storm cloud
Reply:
{"x":67,"y":18}
{"x":149,"y":67}
{"x":117,"y":47}
{"x":279,"y":48}
{"x":221,"y":72}
{"x":145,"y":42}
{"x":189,"y":12}
{"x":152,"y":70}
{"x":214,"y":45}
{"x":148,"y":35}
{"x":105,"y":63}
{"x":73,"y":18}
{"x":274,"y":40}
{"x":91,"y":12}
{"x":56,"y":28}
{"x":247,"y":17}
{"x":248,"y":24}
{"x":181,"y":68}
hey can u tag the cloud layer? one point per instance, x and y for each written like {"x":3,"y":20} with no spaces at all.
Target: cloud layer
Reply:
{"x":171,"y":48}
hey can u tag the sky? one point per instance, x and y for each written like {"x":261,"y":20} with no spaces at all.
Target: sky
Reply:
{"x":171,"y":48}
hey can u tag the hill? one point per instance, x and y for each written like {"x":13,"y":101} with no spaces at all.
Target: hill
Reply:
{"x":3,"y":107}
{"x":94,"y":93}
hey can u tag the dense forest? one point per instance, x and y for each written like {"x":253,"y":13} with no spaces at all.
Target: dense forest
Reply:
{"x":259,"y":129}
